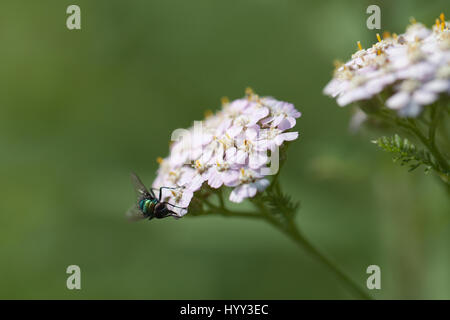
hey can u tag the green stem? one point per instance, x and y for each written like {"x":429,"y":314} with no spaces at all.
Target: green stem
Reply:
{"x":228,"y":213}
{"x":429,"y":143}
{"x":221,"y":201}
{"x":300,"y":239}
{"x":291,"y":230}
{"x":293,"y":233}
{"x":435,"y":114}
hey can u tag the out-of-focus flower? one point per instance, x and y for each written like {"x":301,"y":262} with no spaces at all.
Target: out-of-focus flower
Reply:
{"x":412,"y":68}
{"x":228,"y":149}
{"x":358,"y":118}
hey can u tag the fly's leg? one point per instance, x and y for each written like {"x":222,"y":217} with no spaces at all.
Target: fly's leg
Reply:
{"x":160,"y":191}
{"x":172,"y":205}
{"x":173,"y":214}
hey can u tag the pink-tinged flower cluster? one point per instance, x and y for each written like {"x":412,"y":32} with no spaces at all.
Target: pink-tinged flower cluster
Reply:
{"x":230,"y":148}
{"x":412,"y":68}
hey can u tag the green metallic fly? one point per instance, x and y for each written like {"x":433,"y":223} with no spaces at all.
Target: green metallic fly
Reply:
{"x":149,"y":206}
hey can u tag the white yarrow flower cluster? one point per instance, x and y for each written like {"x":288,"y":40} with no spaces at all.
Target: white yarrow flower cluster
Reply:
{"x":413,"y":68}
{"x":229,"y":148}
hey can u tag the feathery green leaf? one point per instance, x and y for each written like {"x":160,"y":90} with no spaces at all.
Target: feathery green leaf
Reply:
{"x":406,"y":153}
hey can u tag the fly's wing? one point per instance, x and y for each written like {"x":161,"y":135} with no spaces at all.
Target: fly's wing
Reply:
{"x":139,"y":187}
{"x":134,"y":214}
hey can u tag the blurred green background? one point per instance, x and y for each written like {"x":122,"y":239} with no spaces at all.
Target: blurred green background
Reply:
{"x":80,"y":110}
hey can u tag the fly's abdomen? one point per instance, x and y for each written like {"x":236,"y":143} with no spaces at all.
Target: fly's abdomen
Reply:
{"x":147,"y":205}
